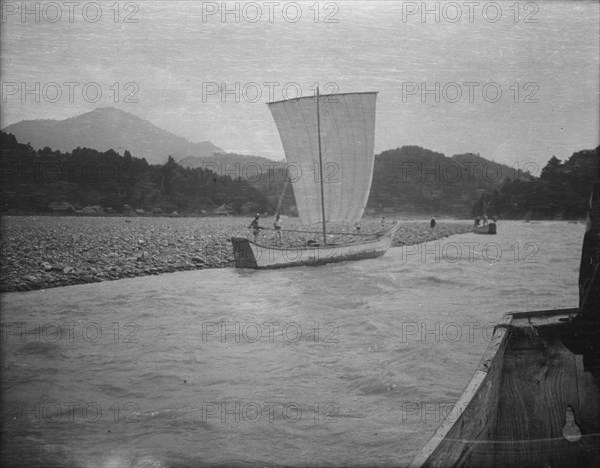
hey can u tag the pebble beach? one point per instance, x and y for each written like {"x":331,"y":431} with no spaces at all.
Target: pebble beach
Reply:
{"x":40,"y":252}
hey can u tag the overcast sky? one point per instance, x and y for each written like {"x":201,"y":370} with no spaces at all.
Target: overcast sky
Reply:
{"x":543,"y":57}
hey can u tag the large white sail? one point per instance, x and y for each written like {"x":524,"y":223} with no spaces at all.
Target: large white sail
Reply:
{"x":347,"y":140}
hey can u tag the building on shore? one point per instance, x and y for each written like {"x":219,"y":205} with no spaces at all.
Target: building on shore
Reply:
{"x":223,"y":210}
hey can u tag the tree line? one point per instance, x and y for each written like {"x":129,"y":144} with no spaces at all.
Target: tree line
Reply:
{"x":561,"y":192}
{"x":410,"y":179}
{"x":32,"y":180}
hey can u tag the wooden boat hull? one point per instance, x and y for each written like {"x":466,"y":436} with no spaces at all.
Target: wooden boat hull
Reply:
{"x":249,"y":254}
{"x":489,"y":229}
{"x":530,"y":403}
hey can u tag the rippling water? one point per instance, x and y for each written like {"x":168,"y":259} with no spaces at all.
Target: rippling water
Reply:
{"x":344,"y":364}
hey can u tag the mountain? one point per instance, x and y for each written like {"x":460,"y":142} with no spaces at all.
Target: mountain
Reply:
{"x":415,"y":180}
{"x":491,"y":171}
{"x":105,"y":128}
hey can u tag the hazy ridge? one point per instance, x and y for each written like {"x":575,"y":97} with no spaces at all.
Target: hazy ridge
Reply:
{"x":109,"y":128}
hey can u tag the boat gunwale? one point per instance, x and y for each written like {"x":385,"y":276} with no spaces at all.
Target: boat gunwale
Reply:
{"x":541,"y":313}
{"x":380,"y":237}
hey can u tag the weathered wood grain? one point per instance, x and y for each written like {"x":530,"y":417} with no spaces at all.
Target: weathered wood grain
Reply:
{"x":588,"y":420}
{"x":538,"y":385}
{"x":529,"y":404}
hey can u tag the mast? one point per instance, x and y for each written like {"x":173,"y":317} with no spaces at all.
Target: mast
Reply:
{"x":321,"y":170}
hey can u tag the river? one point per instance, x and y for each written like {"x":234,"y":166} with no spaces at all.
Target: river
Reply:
{"x":348,"y":364}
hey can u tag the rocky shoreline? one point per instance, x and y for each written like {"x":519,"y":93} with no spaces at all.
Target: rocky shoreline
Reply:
{"x":40,"y":252}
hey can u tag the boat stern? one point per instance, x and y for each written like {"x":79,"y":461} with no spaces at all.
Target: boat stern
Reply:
{"x":243,"y":253}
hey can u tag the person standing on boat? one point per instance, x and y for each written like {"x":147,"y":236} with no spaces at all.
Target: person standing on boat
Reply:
{"x":255,"y":227}
{"x":277,"y":226}
{"x":432,"y":223}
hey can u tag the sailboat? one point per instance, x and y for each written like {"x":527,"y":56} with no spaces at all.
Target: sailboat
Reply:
{"x":487,"y":227}
{"x":329,"y":140}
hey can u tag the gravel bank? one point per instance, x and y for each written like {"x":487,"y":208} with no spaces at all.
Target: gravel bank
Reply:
{"x":40,"y":252}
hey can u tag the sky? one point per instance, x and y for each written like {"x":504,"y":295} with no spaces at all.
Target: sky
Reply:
{"x":516,"y":82}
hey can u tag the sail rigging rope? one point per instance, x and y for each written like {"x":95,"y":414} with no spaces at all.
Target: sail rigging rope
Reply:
{"x":287,"y":180}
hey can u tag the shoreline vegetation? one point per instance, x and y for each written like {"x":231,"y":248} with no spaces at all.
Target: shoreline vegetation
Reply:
{"x":401,"y":215}
{"x":406,"y":180}
{"x":41,"y":252}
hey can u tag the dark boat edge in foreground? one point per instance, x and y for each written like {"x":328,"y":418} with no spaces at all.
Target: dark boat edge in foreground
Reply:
{"x":530,"y":403}
{"x":534,"y":400}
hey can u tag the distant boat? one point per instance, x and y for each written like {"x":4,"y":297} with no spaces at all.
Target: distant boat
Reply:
{"x":535,"y":397}
{"x":328,"y":141}
{"x":489,"y":228}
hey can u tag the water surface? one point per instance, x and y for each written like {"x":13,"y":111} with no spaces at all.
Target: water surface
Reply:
{"x":345,"y":364}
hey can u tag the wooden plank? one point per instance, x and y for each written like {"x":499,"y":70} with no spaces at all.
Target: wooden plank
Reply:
{"x":538,"y":386}
{"x":498,"y":340}
{"x":588,"y":417}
